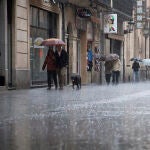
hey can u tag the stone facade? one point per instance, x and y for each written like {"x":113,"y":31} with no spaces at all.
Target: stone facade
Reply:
{"x":22,"y":53}
{"x":76,"y":35}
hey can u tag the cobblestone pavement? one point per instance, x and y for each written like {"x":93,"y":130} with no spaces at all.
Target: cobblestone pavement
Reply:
{"x":93,"y":118}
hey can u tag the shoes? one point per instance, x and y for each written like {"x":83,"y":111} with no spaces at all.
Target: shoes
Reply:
{"x":61,"y":88}
{"x":48,"y":88}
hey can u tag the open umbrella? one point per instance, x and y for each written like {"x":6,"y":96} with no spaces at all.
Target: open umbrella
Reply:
{"x":111,"y":57}
{"x":136,"y":59}
{"x":52,"y":42}
{"x":146,"y":62}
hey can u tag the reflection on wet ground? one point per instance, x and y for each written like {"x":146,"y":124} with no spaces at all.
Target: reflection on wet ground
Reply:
{"x":93,"y":118}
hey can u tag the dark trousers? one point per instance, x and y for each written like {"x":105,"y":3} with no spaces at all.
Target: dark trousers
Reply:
{"x":115,"y":77}
{"x":107,"y":77}
{"x":51,"y":75}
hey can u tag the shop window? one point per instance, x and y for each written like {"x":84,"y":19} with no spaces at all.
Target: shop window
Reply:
{"x":43,"y":19}
{"x":35,"y":18}
{"x":43,"y":24}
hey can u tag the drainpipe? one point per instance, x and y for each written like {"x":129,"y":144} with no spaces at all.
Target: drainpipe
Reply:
{"x":102,"y":47}
{"x":10,"y":72}
{"x":123,"y":64}
{"x":63,"y":21}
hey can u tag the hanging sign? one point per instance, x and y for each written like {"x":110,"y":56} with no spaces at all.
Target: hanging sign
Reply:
{"x":110,"y":23}
{"x":83,"y":12}
{"x":139,"y":13}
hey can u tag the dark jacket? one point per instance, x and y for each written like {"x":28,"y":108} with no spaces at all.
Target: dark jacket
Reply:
{"x":62,"y":60}
{"x":50,"y":62}
{"x":135,"y":66}
{"x":108,"y":67}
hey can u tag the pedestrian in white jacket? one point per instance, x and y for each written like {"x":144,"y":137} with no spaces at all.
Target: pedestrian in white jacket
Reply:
{"x":116,"y":71}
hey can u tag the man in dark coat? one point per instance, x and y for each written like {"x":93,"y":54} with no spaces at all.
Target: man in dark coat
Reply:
{"x":135,"y":67}
{"x":62,"y":63}
{"x":108,"y":71}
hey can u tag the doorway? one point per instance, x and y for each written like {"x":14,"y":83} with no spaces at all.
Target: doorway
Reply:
{"x":115,"y":47}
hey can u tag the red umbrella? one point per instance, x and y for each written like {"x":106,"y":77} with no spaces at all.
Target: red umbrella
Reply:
{"x":53,"y":42}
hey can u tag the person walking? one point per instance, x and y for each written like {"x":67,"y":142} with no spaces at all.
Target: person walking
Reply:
{"x":135,"y":67}
{"x":61,"y":62}
{"x":50,"y":62}
{"x":89,"y":60}
{"x":116,"y":71}
{"x":108,"y":71}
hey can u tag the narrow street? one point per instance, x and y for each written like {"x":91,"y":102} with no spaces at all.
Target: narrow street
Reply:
{"x":94,"y":118}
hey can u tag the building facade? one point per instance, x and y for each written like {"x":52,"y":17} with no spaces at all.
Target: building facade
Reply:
{"x":82,"y":33}
{"x":21,"y":55}
{"x":14,"y":66}
{"x":79,"y":24}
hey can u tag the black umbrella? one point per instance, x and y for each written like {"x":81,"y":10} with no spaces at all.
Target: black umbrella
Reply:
{"x":136,"y":59}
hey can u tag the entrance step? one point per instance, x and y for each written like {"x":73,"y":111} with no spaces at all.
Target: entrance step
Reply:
{"x":2,"y":88}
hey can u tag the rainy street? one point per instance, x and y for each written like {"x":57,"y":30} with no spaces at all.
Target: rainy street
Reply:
{"x":97,"y":117}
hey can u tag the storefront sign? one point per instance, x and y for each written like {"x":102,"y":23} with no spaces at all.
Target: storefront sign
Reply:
{"x":110,"y":23}
{"x":83,"y":12}
{"x":37,"y":42}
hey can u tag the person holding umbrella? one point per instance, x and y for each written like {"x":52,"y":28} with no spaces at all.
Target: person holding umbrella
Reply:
{"x":108,"y":71}
{"x":61,"y":62}
{"x":112,"y":65}
{"x":61,"y":58}
{"x":135,"y":67}
{"x":50,"y":62}
{"x":116,"y":71}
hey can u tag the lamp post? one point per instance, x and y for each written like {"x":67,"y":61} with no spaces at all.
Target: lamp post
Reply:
{"x":129,"y":28}
{"x":145,"y":33}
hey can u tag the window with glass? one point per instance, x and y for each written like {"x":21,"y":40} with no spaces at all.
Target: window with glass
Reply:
{"x":43,"y":24}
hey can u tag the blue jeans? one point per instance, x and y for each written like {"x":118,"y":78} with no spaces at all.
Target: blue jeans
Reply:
{"x":135,"y":76}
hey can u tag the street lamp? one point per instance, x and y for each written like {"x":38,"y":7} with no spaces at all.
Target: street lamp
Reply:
{"x":146,"y":34}
{"x":130,"y":26}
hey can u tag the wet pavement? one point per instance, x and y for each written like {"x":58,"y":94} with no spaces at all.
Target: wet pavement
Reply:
{"x":93,"y":118}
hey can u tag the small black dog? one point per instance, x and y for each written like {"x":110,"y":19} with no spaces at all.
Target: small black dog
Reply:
{"x":76,"y":80}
